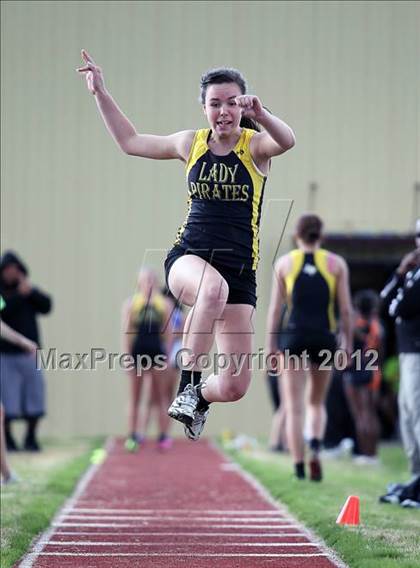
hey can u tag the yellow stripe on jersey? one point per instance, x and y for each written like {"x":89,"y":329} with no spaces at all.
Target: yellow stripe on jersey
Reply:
{"x":139,"y":302}
{"x":321,"y":262}
{"x":184,"y":224}
{"x":297,"y":257}
{"x":198,"y":148}
{"x":258,"y":179}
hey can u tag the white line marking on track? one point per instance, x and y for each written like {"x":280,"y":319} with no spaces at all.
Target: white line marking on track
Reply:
{"x":193,"y":555}
{"x":200,"y":534}
{"x":180,"y":512}
{"x":133,"y":544}
{"x":177,"y":519}
{"x":133,"y":525}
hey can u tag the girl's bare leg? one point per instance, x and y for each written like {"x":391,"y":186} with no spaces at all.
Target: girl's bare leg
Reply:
{"x":159,"y":387}
{"x":319,"y":383}
{"x":196,"y":283}
{"x":293,"y":389}
{"x":234,"y":338}
{"x":134,"y":400}
{"x":5,"y":470}
{"x":147,"y":403}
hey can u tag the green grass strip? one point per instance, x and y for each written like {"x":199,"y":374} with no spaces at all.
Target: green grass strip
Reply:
{"x":46,"y":480}
{"x":388,"y":536}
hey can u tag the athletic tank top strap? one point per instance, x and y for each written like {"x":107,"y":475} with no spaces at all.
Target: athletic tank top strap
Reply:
{"x":297,"y":257}
{"x":138,"y":302}
{"x":243,"y":151}
{"x":198,"y":148}
{"x":321,"y":262}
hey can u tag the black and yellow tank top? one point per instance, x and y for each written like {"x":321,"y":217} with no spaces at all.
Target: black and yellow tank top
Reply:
{"x":311,"y":292}
{"x":225,"y":195}
{"x":147,"y":317}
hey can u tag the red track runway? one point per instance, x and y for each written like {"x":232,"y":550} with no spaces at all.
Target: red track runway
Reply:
{"x":187,"y":507}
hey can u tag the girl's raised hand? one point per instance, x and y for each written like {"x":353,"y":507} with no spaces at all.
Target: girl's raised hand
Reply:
{"x":251,"y":106}
{"x":94,"y":77}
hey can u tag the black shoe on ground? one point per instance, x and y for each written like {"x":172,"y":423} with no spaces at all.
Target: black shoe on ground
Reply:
{"x":31,"y":445}
{"x":11,"y":444}
{"x":392,"y":498}
{"x":278,"y":448}
{"x":408,"y":493}
{"x":315,"y":470}
{"x":299,"y":470}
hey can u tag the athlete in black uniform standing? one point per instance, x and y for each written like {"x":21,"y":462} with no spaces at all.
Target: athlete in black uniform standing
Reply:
{"x":144,"y":337}
{"x":212,"y":266}
{"x":309,"y":280}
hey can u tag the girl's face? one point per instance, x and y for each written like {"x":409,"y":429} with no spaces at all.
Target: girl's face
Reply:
{"x":221,"y":110}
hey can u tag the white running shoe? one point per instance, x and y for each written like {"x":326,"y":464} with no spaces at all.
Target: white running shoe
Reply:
{"x":184,"y":405}
{"x":193,"y":431}
{"x":11,"y":479}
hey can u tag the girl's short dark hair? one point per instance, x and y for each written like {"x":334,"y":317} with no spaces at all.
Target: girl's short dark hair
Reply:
{"x":366,"y":302}
{"x":309,"y":228}
{"x":226,"y":75}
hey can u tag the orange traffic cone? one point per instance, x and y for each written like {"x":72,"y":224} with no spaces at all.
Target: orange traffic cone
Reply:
{"x":350,"y":513}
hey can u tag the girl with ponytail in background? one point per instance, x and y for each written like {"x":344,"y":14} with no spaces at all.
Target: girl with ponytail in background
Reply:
{"x":310,"y":280}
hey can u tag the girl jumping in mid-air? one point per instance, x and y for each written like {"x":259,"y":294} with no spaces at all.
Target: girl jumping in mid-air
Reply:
{"x":214,"y":259}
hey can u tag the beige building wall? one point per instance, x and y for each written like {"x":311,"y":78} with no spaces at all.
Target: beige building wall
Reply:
{"x":344,"y":75}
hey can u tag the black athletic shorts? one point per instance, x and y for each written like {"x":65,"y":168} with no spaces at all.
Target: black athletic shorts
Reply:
{"x":298,"y":341}
{"x":242,"y":282}
{"x":147,"y":350}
